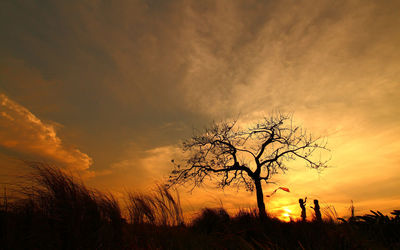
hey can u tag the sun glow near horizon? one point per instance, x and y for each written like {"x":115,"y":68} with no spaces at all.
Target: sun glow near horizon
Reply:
{"x":286,"y":215}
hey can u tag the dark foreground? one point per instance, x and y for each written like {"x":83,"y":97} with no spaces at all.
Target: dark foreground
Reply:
{"x":56,"y":212}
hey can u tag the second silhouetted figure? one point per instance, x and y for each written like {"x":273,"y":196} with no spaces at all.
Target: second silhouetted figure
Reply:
{"x":317,"y":211}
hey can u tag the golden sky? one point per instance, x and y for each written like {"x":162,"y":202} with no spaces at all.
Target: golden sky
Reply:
{"x":110,"y":88}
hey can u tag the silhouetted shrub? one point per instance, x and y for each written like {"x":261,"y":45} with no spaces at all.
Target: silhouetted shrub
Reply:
{"x":211,"y":220}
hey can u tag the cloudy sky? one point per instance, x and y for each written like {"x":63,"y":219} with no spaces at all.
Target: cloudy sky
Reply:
{"x":110,"y":88}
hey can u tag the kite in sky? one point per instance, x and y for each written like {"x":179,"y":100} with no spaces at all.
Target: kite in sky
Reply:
{"x":283,"y":188}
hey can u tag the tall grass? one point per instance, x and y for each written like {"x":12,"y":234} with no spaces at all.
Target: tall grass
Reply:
{"x":158,"y":208}
{"x":330,"y":213}
{"x":56,"y":211}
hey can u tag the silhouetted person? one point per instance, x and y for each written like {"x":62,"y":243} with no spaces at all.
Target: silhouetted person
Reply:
{"x":303,"y":208}
{"x":317,"y":211}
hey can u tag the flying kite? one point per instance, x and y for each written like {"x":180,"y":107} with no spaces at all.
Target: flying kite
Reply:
{"x":283,"y":188}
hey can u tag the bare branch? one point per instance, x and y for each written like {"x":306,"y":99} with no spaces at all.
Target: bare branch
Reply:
{"x":246,"y":156}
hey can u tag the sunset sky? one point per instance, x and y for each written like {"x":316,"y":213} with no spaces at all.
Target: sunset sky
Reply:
{"x":109,"y":89}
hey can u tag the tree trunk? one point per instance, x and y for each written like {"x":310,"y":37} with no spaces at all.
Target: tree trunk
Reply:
{"x":260,"y":199}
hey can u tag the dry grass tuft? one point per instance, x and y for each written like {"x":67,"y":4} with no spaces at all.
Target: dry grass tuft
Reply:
{"x":158,"y":208}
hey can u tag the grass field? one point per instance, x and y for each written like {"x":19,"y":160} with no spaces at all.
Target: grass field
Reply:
{"x":55,"y":211}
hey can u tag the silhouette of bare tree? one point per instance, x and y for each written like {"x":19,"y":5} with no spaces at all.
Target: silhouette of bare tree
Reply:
{"x":250,"y":155}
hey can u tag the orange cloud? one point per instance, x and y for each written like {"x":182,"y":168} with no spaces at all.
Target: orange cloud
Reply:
{"x":24,"y":133}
